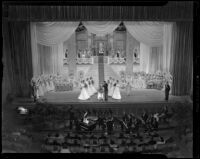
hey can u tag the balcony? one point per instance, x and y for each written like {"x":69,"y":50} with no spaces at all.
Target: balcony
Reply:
{"x":116,"y":60}
{"x":80,"y":61}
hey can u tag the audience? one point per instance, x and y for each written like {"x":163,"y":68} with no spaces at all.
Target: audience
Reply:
{"x":112,"y":139}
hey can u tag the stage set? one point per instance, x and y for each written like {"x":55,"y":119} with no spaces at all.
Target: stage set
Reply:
{"x":71,"y":61}
{"x":121,"y":75}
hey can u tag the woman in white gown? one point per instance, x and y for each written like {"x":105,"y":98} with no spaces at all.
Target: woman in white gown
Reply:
{"x":128,"y":89}
{"x":44,"y":89}
{"x":48,"y":83}
{"x":83,"y":95}
{"x":40,"y":90}
{"x":112,"y":87}
{"x":92,"y":86}
{"x":88,"y":89}
{"x":100,"y":95}
{"x":116,"y":93}
{"x":51,"y":83}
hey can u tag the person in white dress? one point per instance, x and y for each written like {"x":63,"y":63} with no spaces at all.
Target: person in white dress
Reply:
{"x":100,"y":95}
{"x":43,"y":86}
{"x":116,"y":93}
{"x":128,"y":89}
{"x":88,"y":89}
{"x":83,"y":95}
{"x":112,"y":87}
{"x":51,"y":83}
{"x":92,"y":86}
{"x":40,"y":90}
{"x":48,"y":84}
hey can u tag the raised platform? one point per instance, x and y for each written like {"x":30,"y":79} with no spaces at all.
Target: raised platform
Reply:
{"x":139,"y":99}
{"x":136,"y":96}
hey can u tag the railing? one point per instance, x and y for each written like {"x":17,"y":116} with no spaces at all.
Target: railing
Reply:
{"x":80,"y":61}
{"x":116,"y":60}
{"x":89,"y":60}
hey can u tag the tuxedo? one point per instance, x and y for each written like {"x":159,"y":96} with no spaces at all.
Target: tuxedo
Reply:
{"x":167,"y":89}
{"x":105,"y":86}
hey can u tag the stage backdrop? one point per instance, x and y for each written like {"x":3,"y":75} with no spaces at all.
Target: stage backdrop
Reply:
{"x":20,"y":50}
{"x":48,"y":39}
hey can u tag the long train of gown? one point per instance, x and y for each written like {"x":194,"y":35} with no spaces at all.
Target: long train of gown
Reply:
{"x":109,"y":89}
{"x":110,"y":93}
{"x":83,"y":95}
{"x":116,"y":93}
{"x":93,"y":89}
{"x":88,"y":90}
{"x":40,"y":91}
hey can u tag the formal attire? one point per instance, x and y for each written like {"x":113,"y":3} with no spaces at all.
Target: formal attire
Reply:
{"x":83,"y":95}
{"x":112,"y":87}
{"x":100,"y":94}
{"x":167,"y":89}
{"x":92,"y":87}
{"x":105,"y":86}
{"x":88,"y":89}
{"x":128,"y":89}
{"x":116,"y":93}
{"x":109,"y":88}
{"x":40,"y":90}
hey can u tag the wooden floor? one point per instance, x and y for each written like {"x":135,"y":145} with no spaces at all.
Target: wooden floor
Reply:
{"x":137,"y":96}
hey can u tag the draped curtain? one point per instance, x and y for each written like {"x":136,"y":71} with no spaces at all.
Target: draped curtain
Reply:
{"x":155,"y":59}
{"x":51,"y":33}
{"x":101,"y":28}
{"x":167,"y":40}
{"x":182,"y":58}
{"x":149,"y":33}
{"x":47,"y":38}
{"x":144,"y":57}
{"x":17,"y":57}
{"x":171,"y":11}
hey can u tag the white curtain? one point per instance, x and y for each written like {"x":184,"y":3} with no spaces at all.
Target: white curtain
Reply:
{"x":34,"y":49}
{"x":51,"y":33}
{"x":144,"y":57}
{"x":149,"y":33}
{"x":101,"y":28}
{"x":167,"y":39}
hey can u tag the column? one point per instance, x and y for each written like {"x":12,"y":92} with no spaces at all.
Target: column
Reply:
{"x":35,"y":57}
{"x":129,"y":56}
{"x":72,"y":56}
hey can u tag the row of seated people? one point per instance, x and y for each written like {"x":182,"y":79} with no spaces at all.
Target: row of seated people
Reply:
{"x":110,"y":122}
{"x":45,"y":83}
{"x":109,"y":137}
{"x":113,"y":143}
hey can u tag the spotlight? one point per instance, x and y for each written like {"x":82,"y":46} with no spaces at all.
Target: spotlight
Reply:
{"x":22,"y":110}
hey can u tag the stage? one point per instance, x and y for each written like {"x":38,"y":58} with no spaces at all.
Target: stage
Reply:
{"x":136,"y":96}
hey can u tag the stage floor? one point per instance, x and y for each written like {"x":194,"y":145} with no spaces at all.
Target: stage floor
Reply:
{"x":137,"y":96}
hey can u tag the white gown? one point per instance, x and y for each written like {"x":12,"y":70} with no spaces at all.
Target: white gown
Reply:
{"x":84,"y":95}
{"x":93,"y":89}
{"x":109,"y":88}
{"x":48,"y":85}
{"x":44,"y":87}
{"x":40,"y":90}
{"x":88,"y":89}
{"x":116,"y":93}
{"x":110,"y":93}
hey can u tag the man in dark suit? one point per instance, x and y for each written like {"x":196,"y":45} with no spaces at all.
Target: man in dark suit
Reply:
{"x":105,"y":86}
{"x":167,"y":89}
